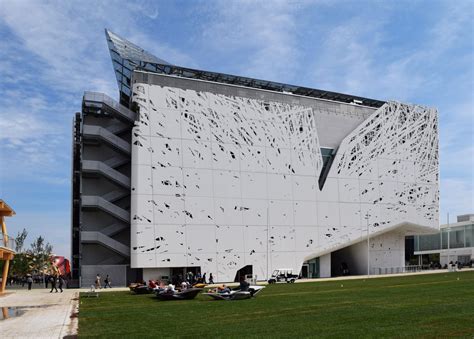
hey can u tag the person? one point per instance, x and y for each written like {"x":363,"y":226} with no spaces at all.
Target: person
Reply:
{"x":204,"y":278}
{"x":46,"y":281}
{"x":344,"y":269}
{"x":151,"y":284}
{"x":211,"y":279}
{"x":162,"y":286}
{"x":29,"y":280}
{"x":61,"y":283}
{"x":107,"y":282}
{"x":53,"y":281}
{"x":170,"y":289}
{"x":244,"y":286}
{"x":223,"y":289}
{"x":97,"y":281}
{"x":190,"y":277}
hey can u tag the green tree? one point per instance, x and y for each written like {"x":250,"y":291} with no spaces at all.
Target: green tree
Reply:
{"x":36,"y":259}
{"x":20,"y":240}
{"x":40,"y":253}
{"x":20,"y":265}
{"x":21,"y":261}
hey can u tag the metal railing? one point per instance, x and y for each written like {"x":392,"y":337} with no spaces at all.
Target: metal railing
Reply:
{"x":95,"y":100}
{"x":7,"y":242}
{"x":400,"y":269}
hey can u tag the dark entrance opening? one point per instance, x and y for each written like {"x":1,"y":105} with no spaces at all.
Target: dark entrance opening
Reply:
{"x":305,"y":271}
{"x":246,"y":270}
{"x":180,"y":274}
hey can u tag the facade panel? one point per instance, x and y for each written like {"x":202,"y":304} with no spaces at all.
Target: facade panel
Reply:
{"x":236,"y":178}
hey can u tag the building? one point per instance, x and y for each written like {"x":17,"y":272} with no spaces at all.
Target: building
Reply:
{"x":202,"y":171}
{"x":454,"y":242}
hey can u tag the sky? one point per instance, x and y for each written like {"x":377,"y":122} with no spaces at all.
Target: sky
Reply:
{"x":52,"y":51}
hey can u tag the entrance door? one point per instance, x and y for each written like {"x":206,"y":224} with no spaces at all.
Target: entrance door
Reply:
{"x":305,"y":271}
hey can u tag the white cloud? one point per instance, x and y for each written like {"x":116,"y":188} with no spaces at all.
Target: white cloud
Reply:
{"x":263,"y":35}
{"x":53,"y":52}
{"x":358,"y":56}
{"x":69,"y":38}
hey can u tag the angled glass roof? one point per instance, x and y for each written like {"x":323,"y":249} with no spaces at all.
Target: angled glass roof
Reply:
{"x":127,"y":57}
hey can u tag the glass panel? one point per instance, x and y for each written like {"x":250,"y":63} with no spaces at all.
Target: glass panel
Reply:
{"x":417,"y":243}
{"x":444,"y":239}
{"x":456,"y":237}
{"x":429,"y":242}
{"x":326,"y":153}
{"x":127,"y":72}
{"x":470,"y":236}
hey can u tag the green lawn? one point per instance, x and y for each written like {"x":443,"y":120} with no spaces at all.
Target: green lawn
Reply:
{"x":436,"y":305}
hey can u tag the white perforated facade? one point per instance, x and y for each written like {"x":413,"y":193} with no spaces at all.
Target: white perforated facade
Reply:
{"x":222,"y":181}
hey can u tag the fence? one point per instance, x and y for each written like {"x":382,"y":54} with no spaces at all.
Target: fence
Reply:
{"x":400,"y":269}
{"x":7,"y":241}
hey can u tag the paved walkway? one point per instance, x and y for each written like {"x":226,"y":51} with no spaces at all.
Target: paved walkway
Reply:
{"x":38,"y":313}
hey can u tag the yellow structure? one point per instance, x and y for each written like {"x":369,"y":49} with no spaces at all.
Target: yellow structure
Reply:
{"x":6,"y":244}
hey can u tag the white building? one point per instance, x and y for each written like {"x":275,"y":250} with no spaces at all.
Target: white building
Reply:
{"x":224,"y":177}
{"x":233,"y":175}
{"x":453,"y":243}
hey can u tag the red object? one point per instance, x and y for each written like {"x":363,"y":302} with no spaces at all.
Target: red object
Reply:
{"x":62,"y":265}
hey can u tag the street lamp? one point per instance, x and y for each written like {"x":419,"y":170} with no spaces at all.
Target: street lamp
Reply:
{"x":449,"y":256}
{"x":368,"y":245}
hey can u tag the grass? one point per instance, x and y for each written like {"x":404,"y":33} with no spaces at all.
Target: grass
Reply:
{"x":435,"y":305}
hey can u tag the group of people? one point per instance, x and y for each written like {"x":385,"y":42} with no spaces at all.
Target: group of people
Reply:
{"x":27,"y":280}
{"x":192,"y":279}
{"x":178,"y":282}
{"x":223,"y":289}
{"x":107,"y":282}
{"x":56,"y":281}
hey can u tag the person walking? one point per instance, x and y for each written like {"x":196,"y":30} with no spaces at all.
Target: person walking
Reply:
{"x":46,"y":281}
{"x":211,"y":279}
{"x":204,"y":278}
{"x":61,"y":283}
{"x":107,"y":282}
{"x":97,"y":281}
{"x":53,"y":280}
{"x":29,"y":280}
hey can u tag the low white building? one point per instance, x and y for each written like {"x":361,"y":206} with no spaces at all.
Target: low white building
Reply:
{"x":454,"y":242}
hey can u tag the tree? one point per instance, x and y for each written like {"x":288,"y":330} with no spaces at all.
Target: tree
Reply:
{"x":35,"y":260}
{"x":40,"y":253}
{"x":20,"y":240}
{"x":21,"y":261}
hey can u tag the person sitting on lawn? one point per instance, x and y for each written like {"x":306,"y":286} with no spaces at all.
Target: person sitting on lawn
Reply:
{"x":170,"y":289}
{"x":223,"y":289}
{"x":244,"y":286}
{"x":152,"y":284}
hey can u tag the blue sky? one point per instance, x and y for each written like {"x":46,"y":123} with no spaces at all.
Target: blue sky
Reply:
{"x":51,"y":51}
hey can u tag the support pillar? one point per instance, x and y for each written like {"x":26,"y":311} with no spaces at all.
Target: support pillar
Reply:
{"x":6,"y":266}
{"x":7,"y":252}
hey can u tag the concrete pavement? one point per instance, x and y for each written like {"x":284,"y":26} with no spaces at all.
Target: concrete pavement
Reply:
{"x":38,"y":313}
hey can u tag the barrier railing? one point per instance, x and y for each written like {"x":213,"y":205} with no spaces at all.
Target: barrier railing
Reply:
{"x":7,"y":242}
{"x":400,"y":269}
